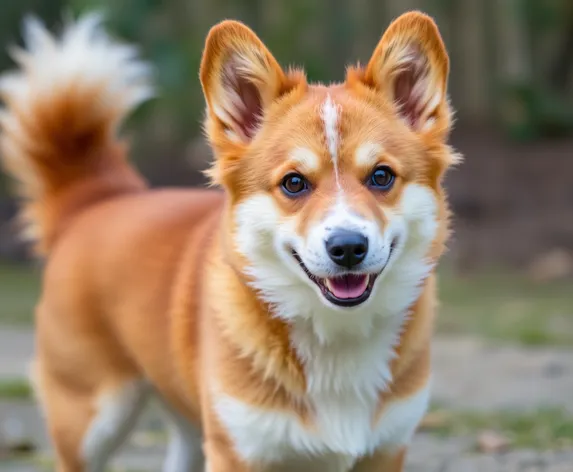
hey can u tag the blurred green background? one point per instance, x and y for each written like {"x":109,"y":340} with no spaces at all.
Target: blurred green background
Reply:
{"x":510,"y":264}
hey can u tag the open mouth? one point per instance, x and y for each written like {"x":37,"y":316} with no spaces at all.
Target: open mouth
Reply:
{"x":346,"y":290}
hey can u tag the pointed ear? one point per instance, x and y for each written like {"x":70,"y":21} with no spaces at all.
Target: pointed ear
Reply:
{"x":410,"y":67}
{"x":240,"y":79}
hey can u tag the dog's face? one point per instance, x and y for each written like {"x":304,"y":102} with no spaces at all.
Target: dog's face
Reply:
{"x":335,"y":199}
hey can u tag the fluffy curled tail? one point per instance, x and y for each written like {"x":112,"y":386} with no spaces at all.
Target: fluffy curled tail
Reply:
{"x":63,"y":106}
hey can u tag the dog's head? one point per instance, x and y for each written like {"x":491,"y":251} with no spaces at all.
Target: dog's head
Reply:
{"x":335,"y":197}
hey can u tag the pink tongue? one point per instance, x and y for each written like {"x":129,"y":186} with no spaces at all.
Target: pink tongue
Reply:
{"x":348,"y":286}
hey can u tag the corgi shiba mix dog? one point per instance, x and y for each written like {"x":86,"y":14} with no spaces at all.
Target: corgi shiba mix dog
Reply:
{"x":283,"y":322}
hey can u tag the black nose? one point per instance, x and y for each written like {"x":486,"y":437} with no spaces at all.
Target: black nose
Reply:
{"x":347,"y":248}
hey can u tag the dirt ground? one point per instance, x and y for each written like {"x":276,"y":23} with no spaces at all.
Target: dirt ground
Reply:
{"x":469,"y":375}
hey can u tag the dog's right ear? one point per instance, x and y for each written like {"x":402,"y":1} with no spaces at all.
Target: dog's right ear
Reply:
{"x":410,"y":69}
{"x":240,"y":79}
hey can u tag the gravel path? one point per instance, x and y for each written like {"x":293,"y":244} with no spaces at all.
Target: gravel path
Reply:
{"x":473,"y":374}
{"x":469,"y":374}
{"x":16,"y":348}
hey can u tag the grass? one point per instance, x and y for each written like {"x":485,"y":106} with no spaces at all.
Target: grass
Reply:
{"x":19,"y":288}
{"x":15,"y":389}
{"x":506,"y":307}
{"x":544,"y":429}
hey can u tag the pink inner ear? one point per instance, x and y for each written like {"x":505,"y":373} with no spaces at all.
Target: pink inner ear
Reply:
{"x":409,"y":85}
{"x":252,"y":112}
{"x":246,"y":107}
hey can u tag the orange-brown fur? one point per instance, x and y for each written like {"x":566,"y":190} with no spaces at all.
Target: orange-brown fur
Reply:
{"x":148,"y":283}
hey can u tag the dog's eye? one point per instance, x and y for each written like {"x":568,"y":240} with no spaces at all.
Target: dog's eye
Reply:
{"x":294,"y":184}
{"x":382,"y":178}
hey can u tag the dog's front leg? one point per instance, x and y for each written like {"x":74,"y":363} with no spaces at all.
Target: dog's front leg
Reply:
{"x":220,"y":457}
{"x":220,"y":452}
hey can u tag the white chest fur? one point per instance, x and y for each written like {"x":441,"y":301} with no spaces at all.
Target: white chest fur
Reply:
{"x":344,"y":376}
{"x":344,"y":383}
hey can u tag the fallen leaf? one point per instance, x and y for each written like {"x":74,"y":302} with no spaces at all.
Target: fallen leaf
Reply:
{"x":492,"y":442}
{"x":552,"y":265}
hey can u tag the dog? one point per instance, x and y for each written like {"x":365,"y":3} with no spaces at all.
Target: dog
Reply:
{"x":283,"y":320}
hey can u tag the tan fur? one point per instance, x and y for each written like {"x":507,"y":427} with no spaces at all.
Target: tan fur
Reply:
{"x":149,"y":284}
{"x":382,"y":462}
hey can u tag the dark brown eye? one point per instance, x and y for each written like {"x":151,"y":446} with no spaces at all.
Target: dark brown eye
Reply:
{"x":382,"y":178}
{"x":294,"y":185}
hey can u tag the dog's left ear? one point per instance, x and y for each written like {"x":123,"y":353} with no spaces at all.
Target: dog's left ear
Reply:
{"x":240,"y":79}
{"x":410,"y":67}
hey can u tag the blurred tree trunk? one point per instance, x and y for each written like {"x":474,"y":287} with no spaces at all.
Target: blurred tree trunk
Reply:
{"x":339,"y":36}
{"x":560,"y":74}
{"x":251,"y":12}
{"x":377,"y":19}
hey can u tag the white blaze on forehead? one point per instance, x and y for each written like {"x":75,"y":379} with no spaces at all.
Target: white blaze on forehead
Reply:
{"x":330,"y":116}
{"x":367,"y":154}
{"x":306,"y":159}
